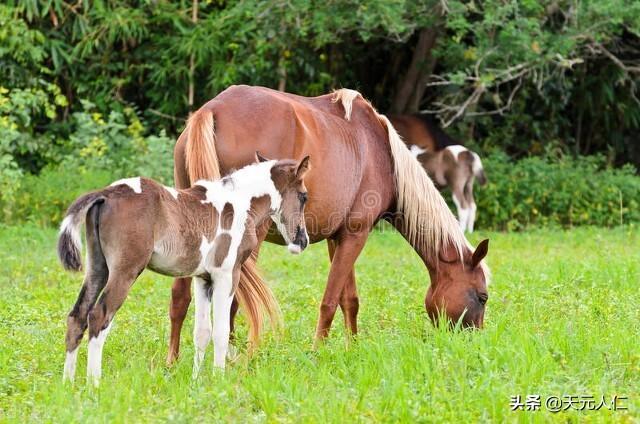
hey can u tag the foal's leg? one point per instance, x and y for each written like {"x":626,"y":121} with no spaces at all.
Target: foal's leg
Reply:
{"x":457,"y":189}
{"x":348,"y":247}
{"x":94,"y":281}
{"x":468,"y":195}
{"x":349,"y":302}
{"x":202,"y":322}
{"x":101,"y":316}
{"x":222,"y":298}
{"x":180,"y":299}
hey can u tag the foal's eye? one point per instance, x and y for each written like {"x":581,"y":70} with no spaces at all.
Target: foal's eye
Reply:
{"x":482,"y":298}
{"x":302,"y":197}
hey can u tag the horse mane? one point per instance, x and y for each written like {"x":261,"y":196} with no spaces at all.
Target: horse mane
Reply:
{"x":429,"y":224}
{"x":441,"y":138}
{"x":346,"y":96}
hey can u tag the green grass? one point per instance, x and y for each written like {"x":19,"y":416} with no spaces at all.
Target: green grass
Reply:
{"x":563,"y":318}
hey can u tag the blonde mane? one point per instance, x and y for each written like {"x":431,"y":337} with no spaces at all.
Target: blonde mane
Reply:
{"x":346,"y":96}
{"x":429,"y":223}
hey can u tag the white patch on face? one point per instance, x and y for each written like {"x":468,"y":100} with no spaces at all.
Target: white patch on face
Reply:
{"x":455,"y":150}
{"x":294,"y":248}
{"x":173,"y":191}
{"x":94,"y":359}
{"x":282,"y":228}
{"x":70,"y":365}
{"x":416,"y":150}
{"x":477,"y":163}
{"x":133,"y":182}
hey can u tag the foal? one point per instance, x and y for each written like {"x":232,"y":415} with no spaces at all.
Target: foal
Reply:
{"x":206,"y":231}
{"x":457,"y":167}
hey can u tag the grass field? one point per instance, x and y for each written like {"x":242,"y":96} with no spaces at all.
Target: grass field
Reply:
{"x":563,"y":318}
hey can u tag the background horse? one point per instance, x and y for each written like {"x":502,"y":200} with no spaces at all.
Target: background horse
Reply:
{"x":448,"y":163}
{"x":207,"y":232}
{"x":362,"y":173}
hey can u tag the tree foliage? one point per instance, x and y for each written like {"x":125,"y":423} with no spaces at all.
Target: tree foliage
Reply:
{"x":510,"y":75}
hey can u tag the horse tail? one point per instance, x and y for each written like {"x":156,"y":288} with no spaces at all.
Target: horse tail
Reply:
{"x":478,"y":169}
{"x":200,"y":151}
{"x":257,"y":300}
{"x":428,"y":222}
{"x":69,"y":240}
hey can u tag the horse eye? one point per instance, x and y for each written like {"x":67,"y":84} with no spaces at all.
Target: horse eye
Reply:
{"x":482,"y":298}
{"x":302,"y":197}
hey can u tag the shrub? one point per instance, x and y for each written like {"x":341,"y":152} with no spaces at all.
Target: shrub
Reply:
{"x":563,"y":191}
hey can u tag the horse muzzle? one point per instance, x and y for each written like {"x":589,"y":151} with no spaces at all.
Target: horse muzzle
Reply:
{"x":300,"y":242}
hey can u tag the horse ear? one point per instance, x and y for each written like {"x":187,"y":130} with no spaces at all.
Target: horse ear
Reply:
{"x":260,"y":158}
{"x":303,"y":168}
{"x":480,"y":253}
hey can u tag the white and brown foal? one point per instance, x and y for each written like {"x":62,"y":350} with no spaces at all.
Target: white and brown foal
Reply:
{"x":455,"y":167}
{"x":206,"y":231}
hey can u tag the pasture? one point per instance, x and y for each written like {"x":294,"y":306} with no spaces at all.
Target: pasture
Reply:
{"x":562,"y":319}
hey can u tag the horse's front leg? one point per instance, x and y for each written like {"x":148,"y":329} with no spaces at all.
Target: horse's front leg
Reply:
{"x":202,"y":322}
{"x":222,"y":298}
{"x":349,"y":302}
{"x":348,"y":246}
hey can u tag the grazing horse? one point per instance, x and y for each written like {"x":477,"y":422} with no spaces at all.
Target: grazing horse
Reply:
{"x":362,"y":173}
{"x":448,"y":163}
{"x":206,"y":231}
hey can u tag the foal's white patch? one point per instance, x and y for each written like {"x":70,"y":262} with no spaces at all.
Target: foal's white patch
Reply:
{"x":456,"y":149}
{"x":94,"y":359}
{"x":133,"y":182}
{"x":173,"y":191}
{"x":294,"y":248}
{"x":70,"y":365}
{"x":416,"y":150}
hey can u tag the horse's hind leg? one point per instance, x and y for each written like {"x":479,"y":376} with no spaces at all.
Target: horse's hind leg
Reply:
{"x":457,"y":189}
{"x":94,"y":281}
{"x":180,"y":300}
{"x":128,"y":255}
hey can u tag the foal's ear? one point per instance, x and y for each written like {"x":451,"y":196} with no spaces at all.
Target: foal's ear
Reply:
{"x":303,"y":168}
{"x":480,"y":253}
{"x":260,"y":158}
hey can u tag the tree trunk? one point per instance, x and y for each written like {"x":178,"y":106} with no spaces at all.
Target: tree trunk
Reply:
{"x":406,"y":97}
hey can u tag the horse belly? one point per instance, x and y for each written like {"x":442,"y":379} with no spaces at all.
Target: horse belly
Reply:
{"x":174,"y":262}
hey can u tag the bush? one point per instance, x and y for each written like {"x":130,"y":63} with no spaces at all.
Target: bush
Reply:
{"x":98,"y":151}
{"x":561,"y":191}
{"x":43,"y":199}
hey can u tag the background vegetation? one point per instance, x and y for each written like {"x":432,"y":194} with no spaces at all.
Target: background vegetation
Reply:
{"x":95,"y":90}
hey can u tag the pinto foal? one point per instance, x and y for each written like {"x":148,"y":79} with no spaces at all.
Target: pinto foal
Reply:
{"x":455,"y":167}
{"x":206,"y":231}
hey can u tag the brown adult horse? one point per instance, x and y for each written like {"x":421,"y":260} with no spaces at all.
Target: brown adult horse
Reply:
{"x":362,"y":172}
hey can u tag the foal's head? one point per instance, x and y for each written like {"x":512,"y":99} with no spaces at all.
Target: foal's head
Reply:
{"x":288,"y":178}
{"x":459,"y":286}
